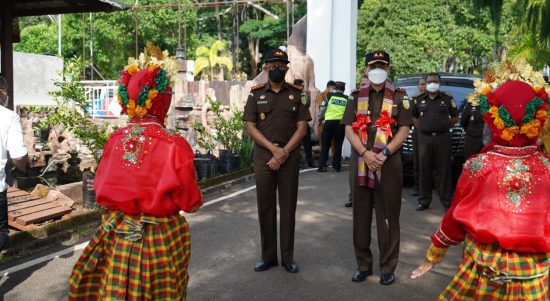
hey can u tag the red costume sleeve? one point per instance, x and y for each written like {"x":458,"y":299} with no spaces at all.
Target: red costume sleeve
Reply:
{"x":450,"y":231}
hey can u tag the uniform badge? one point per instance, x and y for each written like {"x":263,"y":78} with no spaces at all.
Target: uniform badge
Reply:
{"x":423,"y":101}
{"x":262,"y":116}
{"x":442,"y":102}
{"x":472,"y":118}
{"x":291,"y":97}
{"x":304,"y":100}
{"x":421,"y":114}
{"x":453,"y":103}
{"x":262,"y":96}
{"x":406,"y":103}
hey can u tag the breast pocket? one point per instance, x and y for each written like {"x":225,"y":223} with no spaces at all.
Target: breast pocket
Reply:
{"x":263,"y":110}
{"x":422,"y":109}
{"x":394,"y":110}
{"x":443,"y":110}
{"x":290,"y":111}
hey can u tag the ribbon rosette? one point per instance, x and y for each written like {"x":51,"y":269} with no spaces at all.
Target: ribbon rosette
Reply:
{"x":360,"y":126}
{"x":384,"y":123}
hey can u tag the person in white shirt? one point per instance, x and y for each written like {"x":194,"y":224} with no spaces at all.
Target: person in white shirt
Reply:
{"x":11,"y":141}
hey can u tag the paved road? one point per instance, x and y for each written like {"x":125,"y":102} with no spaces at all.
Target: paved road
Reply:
{"x":225,"y":246}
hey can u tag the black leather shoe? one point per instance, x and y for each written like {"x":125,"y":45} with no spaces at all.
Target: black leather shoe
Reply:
{"x":387,"y":278}
{"x":359,"y":276}
{"x":348,"y":204}
{"x":422,"y":207}
{"x":265,"y":265}
{"x":290,"y":267}
{"x":322,"y":169}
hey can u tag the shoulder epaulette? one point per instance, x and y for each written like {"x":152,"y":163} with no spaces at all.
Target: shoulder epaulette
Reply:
{"x":294,"y":86}
{"x":448,"y":94}
{"x":257,"y":87}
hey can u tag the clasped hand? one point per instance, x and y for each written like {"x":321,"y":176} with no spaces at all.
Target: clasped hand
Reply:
{"x":374,"y":161}
{"x":278,"y":159}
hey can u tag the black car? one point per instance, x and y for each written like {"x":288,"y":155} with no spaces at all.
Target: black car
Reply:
{"x":459,"y":85}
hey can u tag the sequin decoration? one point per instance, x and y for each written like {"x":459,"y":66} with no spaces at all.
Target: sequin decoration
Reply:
{"x":475,"y":165}
{"x":545,"y":162}
{"x":516,"y":182}
{"x":133,"y":144}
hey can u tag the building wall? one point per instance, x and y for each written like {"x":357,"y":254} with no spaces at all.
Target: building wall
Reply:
{"x":34,"y":77}
{"x":332,"y":40}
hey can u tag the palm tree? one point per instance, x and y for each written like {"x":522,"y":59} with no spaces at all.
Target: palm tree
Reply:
{"x":213,"y":59}
{"x":535,"y":14}
{"x":528,"y":47}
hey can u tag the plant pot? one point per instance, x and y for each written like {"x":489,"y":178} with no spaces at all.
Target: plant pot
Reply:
{"x":88,"y":192}
{"x":205,"y":165}
{"x":229,"y":162}
{"x":44,"y":135}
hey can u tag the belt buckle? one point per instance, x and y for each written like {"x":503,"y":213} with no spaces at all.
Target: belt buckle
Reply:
{"x":434,"y":134}
{"x":499,"y":278}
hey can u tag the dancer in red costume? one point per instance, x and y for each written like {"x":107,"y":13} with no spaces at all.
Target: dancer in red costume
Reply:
{"x":146,"y":176}
{"x":501,"y":206}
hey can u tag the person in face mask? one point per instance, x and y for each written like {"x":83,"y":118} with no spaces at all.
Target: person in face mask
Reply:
{"x":12,"y":143}
{"x":377,"y":120}
{"x":435,"y":113}
{"x":276,"y":116}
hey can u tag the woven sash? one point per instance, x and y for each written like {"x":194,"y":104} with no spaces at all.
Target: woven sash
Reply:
{"x":382,"y":133}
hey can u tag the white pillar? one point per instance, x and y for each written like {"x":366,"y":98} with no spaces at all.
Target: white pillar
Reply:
{"x":332,"y":40}
{"x":331,"y":43}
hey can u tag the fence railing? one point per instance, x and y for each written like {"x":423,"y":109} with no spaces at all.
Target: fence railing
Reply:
{"x":102,"y":96}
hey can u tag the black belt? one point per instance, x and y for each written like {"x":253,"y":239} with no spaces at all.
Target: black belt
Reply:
{"x":433,"y":134}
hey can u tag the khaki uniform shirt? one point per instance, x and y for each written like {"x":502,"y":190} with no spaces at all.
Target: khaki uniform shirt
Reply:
{"x":434,"y":115}
{"x":276,"y":114}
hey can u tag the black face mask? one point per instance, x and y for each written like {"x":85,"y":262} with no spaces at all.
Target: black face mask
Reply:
{"x":277,"y":75}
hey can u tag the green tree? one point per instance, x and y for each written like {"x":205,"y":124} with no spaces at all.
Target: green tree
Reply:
{"x":209,"y":60}
{"x":257,"y":30}
{"x":428,"y":35}
{"x":39,"y":38}
{"x":534,"y":16}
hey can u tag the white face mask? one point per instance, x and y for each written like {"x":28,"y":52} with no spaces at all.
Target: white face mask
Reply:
{"x":432,"y":87}
{"x":377,"y":76}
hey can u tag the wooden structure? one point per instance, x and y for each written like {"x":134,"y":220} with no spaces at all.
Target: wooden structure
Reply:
{"x":25,"y":209}
{"x":11,"y":9}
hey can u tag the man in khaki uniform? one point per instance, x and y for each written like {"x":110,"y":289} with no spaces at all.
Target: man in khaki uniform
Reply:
{"x":375,"y":165}
{"x":276,"y":118}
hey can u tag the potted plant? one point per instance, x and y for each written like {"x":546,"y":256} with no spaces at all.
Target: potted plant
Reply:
{"x":228,"y":135}
{"x":205,"y":164}
{"x":72,"y":114}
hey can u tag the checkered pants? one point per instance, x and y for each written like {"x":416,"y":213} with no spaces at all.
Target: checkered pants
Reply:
{"x":134,"y":257}
{"x":488,"y":272}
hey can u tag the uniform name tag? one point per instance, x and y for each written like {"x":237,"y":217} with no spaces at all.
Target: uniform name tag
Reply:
{"x":262,"y":102}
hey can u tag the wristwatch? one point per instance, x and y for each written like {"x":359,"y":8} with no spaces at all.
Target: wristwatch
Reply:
{"x":386,"y":152}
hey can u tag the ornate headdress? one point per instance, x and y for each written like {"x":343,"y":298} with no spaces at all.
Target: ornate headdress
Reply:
{"x":144,"y":81}
{"x":513,"y":100}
